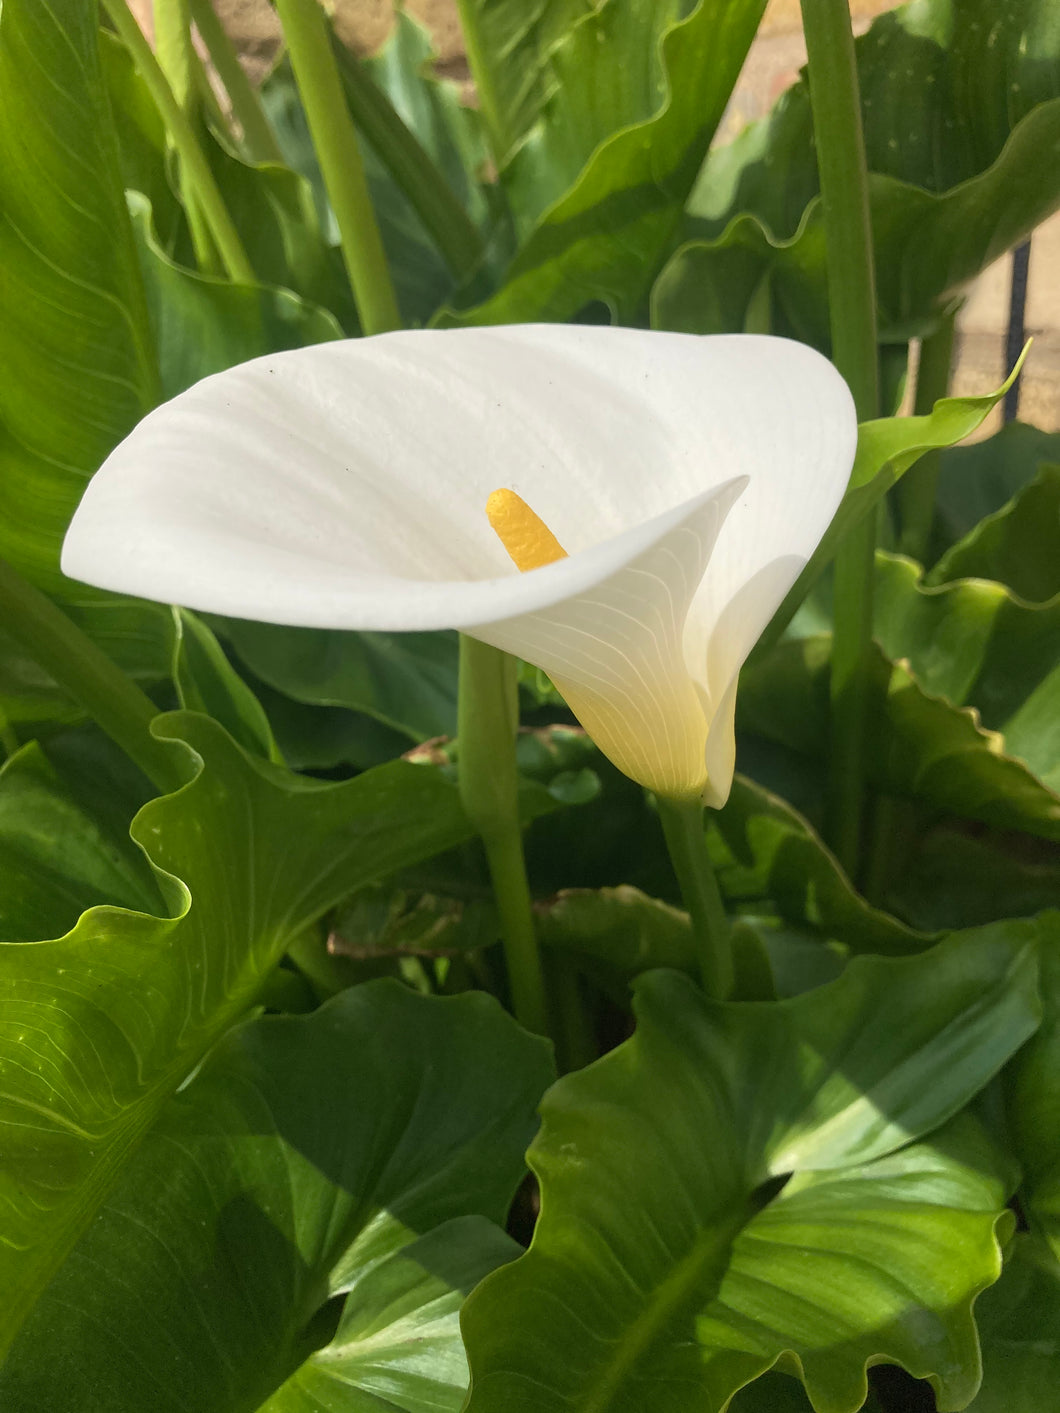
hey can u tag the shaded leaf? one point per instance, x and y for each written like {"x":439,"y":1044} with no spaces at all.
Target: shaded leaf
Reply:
{"x":1019,"y":1326}
{"x":1017,"y":545}
{"x":206,"y":682}
{"x":64,"y":836}
{"x":99,"y":1027}
{"x":979,"y":479}
{"x":662,"y":1271}
{"x":1034,"y":1095}
{"x":970,"y":729}
{"x":405,"y":680}
{"x":360,"y":1153}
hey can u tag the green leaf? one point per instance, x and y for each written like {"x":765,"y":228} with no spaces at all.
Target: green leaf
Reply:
{"x":64,"y":836}
{"x":886,"y":449}
{"x":663,"y":1274}
{"x":207,"y":682}
{"x":632,"y":97}
{"x":405,"y":680}
{"x":99,"y":1027}
{"x":446,"y":138}
{"x":77,"y":369}
{"x":1034,"y":1100}
{"x":203,"y":325}
{"x":1019,"y":1326}
{"x":1002,"y":657}
{"x":362,"y":1154}
{"x":778,"y":872}
{"x":980,"y":479}
{"x":972,"y":730}
{"x":956,"y":878}
{"x":961,"y":109}
{"x":1017,"y":545}
{"x":137,"y":636}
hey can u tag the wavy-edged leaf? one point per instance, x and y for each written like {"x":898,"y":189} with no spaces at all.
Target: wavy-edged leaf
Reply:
{"x":99,"y":1027}
{"x":64,"y":835}
{"x":77,"y":368}
{"x":203,"y":325}
{"x":361,"y":1153}
{"x":598,"y":182}
{"x":663,"y":1273}
{"x":887,"y":448}
{"x":1016,"y":546}
{"x":980,"y":479}
{"x":963,"y":707}
{"x":961,"y":109}
{"x":928,"y":249}
{"x":943,"y":83}
{"x":1019,"y":1327}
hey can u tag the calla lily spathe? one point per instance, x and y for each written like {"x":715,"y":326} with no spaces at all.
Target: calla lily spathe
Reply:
{"x":688,"y":479}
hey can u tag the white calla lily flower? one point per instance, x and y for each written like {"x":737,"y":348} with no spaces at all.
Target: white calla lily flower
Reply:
{"x":688,"y":480}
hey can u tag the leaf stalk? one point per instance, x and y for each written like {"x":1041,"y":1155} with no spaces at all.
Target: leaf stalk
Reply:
{"x":339,"y":155}
{"x":836,"y":106}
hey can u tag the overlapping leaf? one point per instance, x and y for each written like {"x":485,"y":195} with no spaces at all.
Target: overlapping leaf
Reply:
{"x":1019,"y":1325}
{"x":632,"y":98}
{"x":101,"y":1026}
{"x":972,"y":729}
{"x":360,"y":1154}
{"x":1034,"y":1094}
{"x":663,"y":1272}
{"x":961,"y":108}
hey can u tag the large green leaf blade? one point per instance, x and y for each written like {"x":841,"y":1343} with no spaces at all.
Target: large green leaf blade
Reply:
{"x":77,"y":368}
{"x":100,"y":1026}
{"x":362,"y":1153}
{"x":961,"y":110}
{"x":652,"y":1163}
{"x":599,"y":182}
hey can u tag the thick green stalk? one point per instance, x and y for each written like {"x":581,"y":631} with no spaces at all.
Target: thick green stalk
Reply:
{"x":194,"y":166}
{"x":179,"y":64}
{"x":840,"y":142}
{"x":488,"y":717}
{"x":335,"y":142}
{"x":430,"y":195}
{"x":682,"y":822}
{"x":113,"y":701}
{"x":916,"y":490}
{"x":258,"y":136}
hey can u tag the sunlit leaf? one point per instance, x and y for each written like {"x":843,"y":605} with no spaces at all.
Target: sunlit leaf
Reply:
{"x":361,"y":1154}
{"x":102,"y":1025}
{"x":663,"y":1272}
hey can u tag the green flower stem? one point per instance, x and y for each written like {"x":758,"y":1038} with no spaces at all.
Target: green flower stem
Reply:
{"x":335,"y":142}
{"x":836,"y":106}
{"x":916,"y":490}
{"x":682,"y":822}
{"x":113,"y":701}
{"x":258,"y":137}
{"x":194,"y":166}
{"x":488,"y":717}
{"x":451,"y":228}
